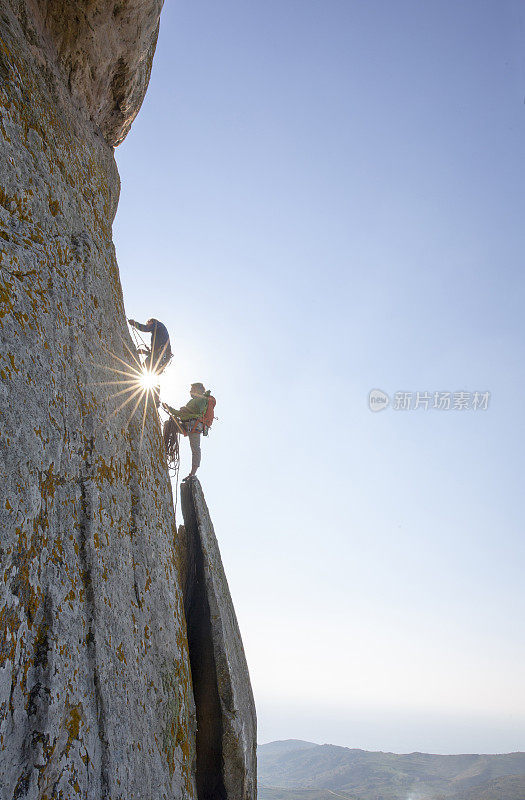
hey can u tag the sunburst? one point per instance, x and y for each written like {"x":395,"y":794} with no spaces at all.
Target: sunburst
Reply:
{"x":133,"y":383}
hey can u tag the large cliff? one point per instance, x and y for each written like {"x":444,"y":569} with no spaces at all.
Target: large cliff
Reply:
{"x":99,"y":694}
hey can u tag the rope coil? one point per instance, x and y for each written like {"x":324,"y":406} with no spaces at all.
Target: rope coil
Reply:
{"x":170,"y":435}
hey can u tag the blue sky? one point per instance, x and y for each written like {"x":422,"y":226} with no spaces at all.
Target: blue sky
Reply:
{"x":321,"y":197}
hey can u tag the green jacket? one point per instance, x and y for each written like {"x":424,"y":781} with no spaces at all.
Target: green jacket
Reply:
{"x":194,"y":409}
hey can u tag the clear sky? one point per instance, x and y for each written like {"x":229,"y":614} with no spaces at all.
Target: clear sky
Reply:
{"x":319,"y":198}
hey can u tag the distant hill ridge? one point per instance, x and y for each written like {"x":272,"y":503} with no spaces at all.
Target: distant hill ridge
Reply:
{"x":294,"y":769}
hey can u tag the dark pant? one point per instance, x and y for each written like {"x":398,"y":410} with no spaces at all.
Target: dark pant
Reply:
{"x":194,"y":430}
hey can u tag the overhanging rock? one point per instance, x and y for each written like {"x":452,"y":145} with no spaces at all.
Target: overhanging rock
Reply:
{"x":104,"y":49}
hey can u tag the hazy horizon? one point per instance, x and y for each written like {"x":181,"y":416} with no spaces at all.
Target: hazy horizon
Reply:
{"x":407,"y":752}
{"x":393,"y":731}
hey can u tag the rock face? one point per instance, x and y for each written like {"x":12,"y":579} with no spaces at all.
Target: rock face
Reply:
{"x":226,"y":721}
{"x":105,"y":49}
{"x":96,"y":696}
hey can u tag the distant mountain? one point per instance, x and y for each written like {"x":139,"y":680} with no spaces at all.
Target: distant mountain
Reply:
{"x":285,"y":746}
{"x":298,"y":770}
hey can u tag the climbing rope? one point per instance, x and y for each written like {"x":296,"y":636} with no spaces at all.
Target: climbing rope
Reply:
{"x":170,"y":434}
{"x":138,"y":341}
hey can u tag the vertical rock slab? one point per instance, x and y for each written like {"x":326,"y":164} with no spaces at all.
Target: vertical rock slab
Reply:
{"x":95,"y":689}
{"x":225,"y":709}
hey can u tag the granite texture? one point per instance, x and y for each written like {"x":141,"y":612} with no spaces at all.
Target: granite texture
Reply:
{"x":96,"y":691}
{"x":95,"y":688}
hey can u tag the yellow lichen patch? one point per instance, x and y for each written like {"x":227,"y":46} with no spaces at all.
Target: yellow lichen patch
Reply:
{"x":21,"y":585}
{"x":12,"y":360}
{"x":176,"y":734}
{"x":9,"y":624}
{"x":72,"y":724}
{"x":6,"y":302}
{"x":120,"y":654}
{"x":14,"y":204}
{"x":49,"y":484}
{"x":106,"y":472}
{"x":57,"y":554}
{"x":54,"y":207}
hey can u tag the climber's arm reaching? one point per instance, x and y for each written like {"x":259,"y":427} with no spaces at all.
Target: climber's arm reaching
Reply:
{"x":140,"y":327}
{"x":173,"y":412}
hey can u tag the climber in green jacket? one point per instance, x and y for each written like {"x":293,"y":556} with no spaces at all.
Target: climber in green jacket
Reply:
{"x":189,"y":419}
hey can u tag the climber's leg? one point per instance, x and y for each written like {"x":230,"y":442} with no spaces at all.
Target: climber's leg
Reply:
{"x":195,"y":444}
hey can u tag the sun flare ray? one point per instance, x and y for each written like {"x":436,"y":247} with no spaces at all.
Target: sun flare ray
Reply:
{"x":134,"y":394}
{"x":126,"y":426}
{"x":132,"y":384}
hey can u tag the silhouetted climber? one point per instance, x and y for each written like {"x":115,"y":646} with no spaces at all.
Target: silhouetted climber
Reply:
{"x":193,"y":419}
{"x":159,"y":354}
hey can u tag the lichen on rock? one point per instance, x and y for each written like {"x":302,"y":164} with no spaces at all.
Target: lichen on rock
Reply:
{"x":96,"y":697}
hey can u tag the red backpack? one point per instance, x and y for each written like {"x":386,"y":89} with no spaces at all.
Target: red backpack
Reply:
{"x":208,"y":416}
